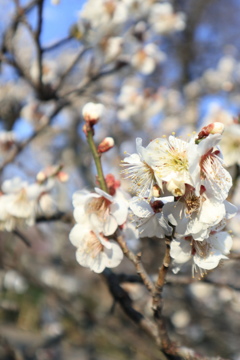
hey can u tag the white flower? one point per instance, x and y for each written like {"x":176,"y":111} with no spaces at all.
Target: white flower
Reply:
{"x":169,"y":159}
{"x":146,"y":59}
{"x":164,"y":20}
{"x":111,"y":47}
{"x":19,"y":204}
{"x":139,"y":170}
{"x":130,"y":103}
{"x":104,"y":212}
{"x":206,"y":168}
{"x":131,"y":235}
{"x":104,"y":14}
{"x":92,"y":112}
{"x":149,"y":218}
{"x":94,"y":250}
{"x":206,"y":254}
{"x":230,"y":144}
{"x":196,"y":215}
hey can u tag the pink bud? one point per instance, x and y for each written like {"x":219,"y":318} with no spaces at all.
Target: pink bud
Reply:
{"x":105,"y":145}
{"x":92,"y":112}
{"x":213,"y":128}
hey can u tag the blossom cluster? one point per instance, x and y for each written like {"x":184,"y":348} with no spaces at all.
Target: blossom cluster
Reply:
{"x":21,"y":203}
{"x":181,"y":189}
{"x":98,"y":215}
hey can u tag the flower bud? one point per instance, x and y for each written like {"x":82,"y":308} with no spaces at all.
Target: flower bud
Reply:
{"x":112,"y":184}
{"x":105,"y":145}
{"x":92,"y":112}
{"x":213,"y":128}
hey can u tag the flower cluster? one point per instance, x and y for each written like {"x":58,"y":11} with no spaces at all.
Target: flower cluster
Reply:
{"x":194,"y":186}
{"x":98,"y":215}
{"x":21,"y":202}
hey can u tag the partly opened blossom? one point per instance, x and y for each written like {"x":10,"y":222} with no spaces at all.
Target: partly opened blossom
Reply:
{"x":205,"y":255}
{"x":149,"y":218}
{"x":206,"y":168}
{"x":103,"y":211}
{"x":94,"y":250}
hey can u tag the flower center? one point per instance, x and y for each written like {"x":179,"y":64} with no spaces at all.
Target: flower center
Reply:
{"x":93,"y":245}
{"x":193,"y":203}
{"x":177,"y":161}
{"x":98,"y":206}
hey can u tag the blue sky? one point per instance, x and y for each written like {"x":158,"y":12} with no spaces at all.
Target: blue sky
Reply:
{"x":57,"y":19}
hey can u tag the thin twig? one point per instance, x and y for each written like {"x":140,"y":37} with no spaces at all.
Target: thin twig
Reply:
{"x":38,"y":43}
{"x":97,"y":159}
{"x":22,"y":146}
{"x":22,"y":237}
{"x":158,"y":301}
{"x":136,"y":260}
{"x":57,"y":44}
{"x":71,"y":66}
{"x":90,"y":79}
{"x":122,"y":297}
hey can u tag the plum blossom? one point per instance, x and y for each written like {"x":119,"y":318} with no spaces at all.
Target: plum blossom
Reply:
{"x":149,"y":218}
{"x":206,"y":168}
{"x":170,"y":163}
{"x":94,"y":250}
{"x":102,"y":15}
{"x":103,"y":211}
{"x":230,"y":144}
{"x":147,"y":58}
{"x":92,"y":112}
{"x":164,"y":20}
{"x":19,"y":202}
{"x":195,"y":215}
{"x":139,"y":170}
{"x":205,"y":255}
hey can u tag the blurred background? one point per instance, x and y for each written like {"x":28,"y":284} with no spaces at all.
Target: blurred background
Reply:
{"x":159,"y":67}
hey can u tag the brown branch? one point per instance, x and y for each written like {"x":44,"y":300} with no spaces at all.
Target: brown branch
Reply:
{"x":234,"y":256}
{"x":71,"y":66}
{"x":38,"y":44}
{"x":122,"y":297}
{"x":22,"y":146}
{"x":22,"y":237}
{"x":157,"y":305}
{"x":88,"y":80}
{"x":186,"y":280}
{"x":60,"y":216}
{"x":136,"y":260}
{"x":57,"y":44}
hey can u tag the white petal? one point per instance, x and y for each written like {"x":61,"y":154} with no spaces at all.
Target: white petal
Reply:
{"x":231,"y":210}
{"x":114,"y":255}
{"x":221,"y":241}
{"x":120,"y":211}
{"x":110,"y":225}
{"x":77,"y":234}
{"x":209,"y":262}
{"x":140,"y":207}
{"x":180,"y":251}
{"x":104,"y":194}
